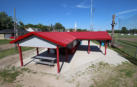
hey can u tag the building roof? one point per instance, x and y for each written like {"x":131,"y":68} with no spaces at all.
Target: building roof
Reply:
{"x":64,"y":38}
{"x":60,"y":38}
{"x":11,"y":31}
{"x":100,"y":35}
{"x":6,"y":31}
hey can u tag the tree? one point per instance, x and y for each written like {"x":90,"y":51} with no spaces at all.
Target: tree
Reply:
{"x":59,"y":27}
{"x":6,"y":22}
{"x":124,"y":30}
{"x":38,"y":26}
{"x":21,"y":25}
{"x":29,"y":25}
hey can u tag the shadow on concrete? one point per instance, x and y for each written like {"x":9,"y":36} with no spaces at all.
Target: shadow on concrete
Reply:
{"x":62,"y":56}
{"x":29,"y":62}
{"x":92,"y":48}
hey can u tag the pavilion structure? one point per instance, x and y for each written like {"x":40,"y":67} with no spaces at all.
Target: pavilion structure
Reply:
{"x":57,"y":40}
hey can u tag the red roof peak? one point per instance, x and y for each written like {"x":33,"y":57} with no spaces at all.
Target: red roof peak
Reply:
{"x":64,"y":38}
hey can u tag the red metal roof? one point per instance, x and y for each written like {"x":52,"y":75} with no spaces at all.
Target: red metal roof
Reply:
{"x":64,"y":38}
{"x":60,"y":38}
{"x":99,"y":35}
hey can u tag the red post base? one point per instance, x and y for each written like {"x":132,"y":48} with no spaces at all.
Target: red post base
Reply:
{"x":105,"y":47}
{"x":37,"y":51}
{"x":100,"y":44}
{"x":58,"y":66}
{"x":66,"y":52}
{"x":20,"y":55}
{"x":48,"y":50}
{"x":88,"y":46}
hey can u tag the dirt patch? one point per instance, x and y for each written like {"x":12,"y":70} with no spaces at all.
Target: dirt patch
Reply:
{"x":13,"y":59}
{"x":6,"y":46}
{"x":96,"y":75}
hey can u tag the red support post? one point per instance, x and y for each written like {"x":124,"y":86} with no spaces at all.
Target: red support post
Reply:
{"x":37,"y":51}
{"x":48,"y":50}
{"x":88,"y":46}
{"x":105,"y":47}
{"x":20,"y":54}
{"x":66,"y":52}
{"x":58,"y":66}
{"x":99,"y":44}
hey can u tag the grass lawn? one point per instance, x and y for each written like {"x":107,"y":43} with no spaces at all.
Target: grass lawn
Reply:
{"x":126,"y":45}
{"x":12,"y":51}
{"x":117,"y":35}
{"x":4,"y":41}
{"x":123,"y":75}
{"x":9,"y":74}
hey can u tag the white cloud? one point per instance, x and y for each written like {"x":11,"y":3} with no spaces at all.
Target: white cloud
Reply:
{"x":126,"y":11}
{"x":82,"y":6}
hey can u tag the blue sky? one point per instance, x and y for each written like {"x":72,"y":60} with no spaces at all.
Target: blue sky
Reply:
{"x":68,"y":12}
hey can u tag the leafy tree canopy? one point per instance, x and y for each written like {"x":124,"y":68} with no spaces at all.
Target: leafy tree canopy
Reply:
{"x":6,"y":22}
{"x":59,"y":27}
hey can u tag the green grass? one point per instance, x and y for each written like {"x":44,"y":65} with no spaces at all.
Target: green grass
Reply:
{"x":9,"y":74}
{"x":127,"y":47}
{"x":126,"y":55}
{"x":117,"y":35}
{"x":4,"y":41}
{"x":128,"y":43}
{"x":11,"y":51}
{"x":124,"y":75}
{"x":96,"y":42}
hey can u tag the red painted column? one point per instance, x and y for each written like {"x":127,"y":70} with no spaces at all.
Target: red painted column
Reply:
{"x":105,"y":47}
{"x":20,"y":55}
{"x":99,"y":44}
{"x":88,"y":46}
{"x":66,"y":52}
{"x":37,"y":51}
{"x":58,"y":66}
{"x":48,"y":50}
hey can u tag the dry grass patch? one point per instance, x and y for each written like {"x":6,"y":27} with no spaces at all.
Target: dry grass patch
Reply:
{"x":124,"y":75}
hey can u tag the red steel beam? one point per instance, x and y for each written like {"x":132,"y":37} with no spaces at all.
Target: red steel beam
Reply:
{"x":66,"y":53}
{"x":105,"y":47}
{"x":58,"y":66}
{"x":48,"y":50}
{"x":99,"y":44}
{"x":20,"y":54}
{"x":37,"y":51}
{"x":88,"y":46}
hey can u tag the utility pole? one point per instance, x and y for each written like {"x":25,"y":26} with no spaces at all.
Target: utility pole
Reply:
{"x":75,"y":27}
{"x":15,"y":25}
{"x":15,"y":28}
{"x":91,"y":20}
{"x":113,"y":25}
